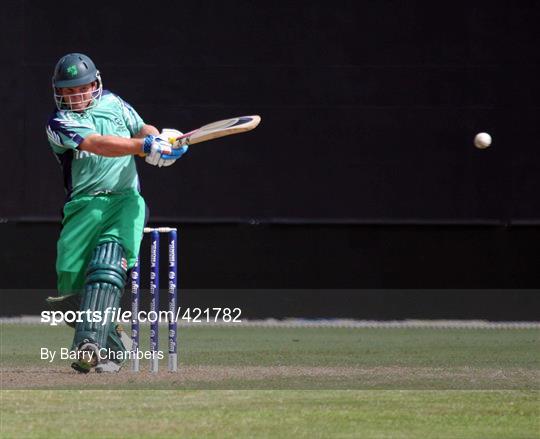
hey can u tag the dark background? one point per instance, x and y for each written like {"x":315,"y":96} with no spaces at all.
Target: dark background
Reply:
{"x":362,"y":173}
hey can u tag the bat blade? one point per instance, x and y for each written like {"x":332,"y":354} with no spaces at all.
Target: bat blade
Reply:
{"x":221,"y":128}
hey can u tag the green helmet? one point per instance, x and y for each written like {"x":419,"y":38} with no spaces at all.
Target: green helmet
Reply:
{"x":74,"y":70}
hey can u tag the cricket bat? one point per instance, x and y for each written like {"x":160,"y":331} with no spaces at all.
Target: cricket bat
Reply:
{"x":215,"y":130}
{"x":221,"y":128}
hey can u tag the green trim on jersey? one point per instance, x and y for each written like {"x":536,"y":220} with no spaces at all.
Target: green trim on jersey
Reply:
{"x":86,"y":173}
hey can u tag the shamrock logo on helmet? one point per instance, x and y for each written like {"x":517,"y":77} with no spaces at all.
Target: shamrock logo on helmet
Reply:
{"x":72,"y":71}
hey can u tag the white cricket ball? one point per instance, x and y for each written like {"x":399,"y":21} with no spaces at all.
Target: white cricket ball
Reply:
{"x":482,"y":140}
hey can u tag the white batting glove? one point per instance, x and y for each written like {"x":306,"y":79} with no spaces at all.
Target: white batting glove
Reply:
{"x":169,"y":134}
{"x":155,"y":148}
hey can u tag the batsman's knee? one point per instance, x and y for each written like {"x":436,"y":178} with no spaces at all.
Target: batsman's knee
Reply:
{"x":108,"y":265}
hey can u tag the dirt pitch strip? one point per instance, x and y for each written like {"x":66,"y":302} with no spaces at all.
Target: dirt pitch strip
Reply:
{"x":255,"y":376}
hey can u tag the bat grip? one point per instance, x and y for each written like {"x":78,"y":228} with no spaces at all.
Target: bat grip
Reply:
{"x":182,"y":141}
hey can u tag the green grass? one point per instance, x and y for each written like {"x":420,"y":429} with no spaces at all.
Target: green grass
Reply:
{"x":247,"y":414}
{"x":324,"y":346}
{"x":481,"y":359}
{"x":283,"y":382}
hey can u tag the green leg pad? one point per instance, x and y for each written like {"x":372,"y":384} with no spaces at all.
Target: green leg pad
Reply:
{"x":105,"y":280}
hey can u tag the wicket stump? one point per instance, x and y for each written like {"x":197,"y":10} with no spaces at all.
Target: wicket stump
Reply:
{"x":154,"y":301}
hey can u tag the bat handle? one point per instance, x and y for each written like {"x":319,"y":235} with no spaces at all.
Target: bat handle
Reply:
{"x":181,"y":141}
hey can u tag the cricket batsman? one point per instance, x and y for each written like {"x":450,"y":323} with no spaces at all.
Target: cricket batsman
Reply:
{"x":95,"y":136}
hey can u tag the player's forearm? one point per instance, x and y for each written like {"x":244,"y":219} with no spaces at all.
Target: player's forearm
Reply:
{"x":112,"y":146}
{"x":145,"y":131}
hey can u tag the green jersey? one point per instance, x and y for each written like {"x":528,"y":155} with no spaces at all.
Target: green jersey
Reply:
{"x":86,"y":173}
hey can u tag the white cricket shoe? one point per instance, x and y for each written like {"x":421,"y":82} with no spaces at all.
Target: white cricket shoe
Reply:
{"x":108,"y":367}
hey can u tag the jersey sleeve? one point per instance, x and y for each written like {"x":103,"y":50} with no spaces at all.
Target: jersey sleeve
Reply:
{"x":132,"y":119}
{"x":66,"y":134}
